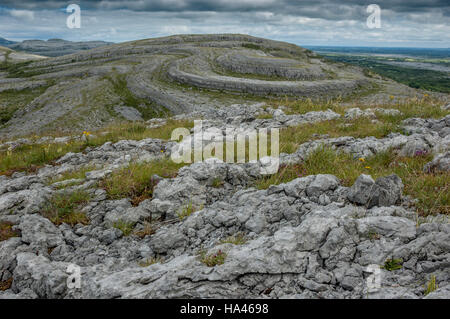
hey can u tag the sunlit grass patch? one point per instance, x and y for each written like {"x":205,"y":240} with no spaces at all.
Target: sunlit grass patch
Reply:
{"x":305,"y":105}
{"x":292,"y":137}
{"x":137,"y":131}
{"x":422,"y":107}
{"x":75,"y":174}
{"x":29,"y":158}
{"x":135,"y":181}
{"x":65,"y":208}
{"x":430,"y":189}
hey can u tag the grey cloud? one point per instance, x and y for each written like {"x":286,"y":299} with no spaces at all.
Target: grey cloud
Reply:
{"x":326,"y":9}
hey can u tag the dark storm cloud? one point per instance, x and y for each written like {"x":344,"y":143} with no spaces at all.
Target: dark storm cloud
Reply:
{"x":325,"y":9}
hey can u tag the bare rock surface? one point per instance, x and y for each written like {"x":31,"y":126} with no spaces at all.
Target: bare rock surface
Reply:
{"x":308,"y":238}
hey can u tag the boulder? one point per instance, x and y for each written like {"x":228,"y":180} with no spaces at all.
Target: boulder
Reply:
{"x":385,"y":191}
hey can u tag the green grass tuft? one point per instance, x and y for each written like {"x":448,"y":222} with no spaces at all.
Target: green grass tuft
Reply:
{"x":64,"y":208}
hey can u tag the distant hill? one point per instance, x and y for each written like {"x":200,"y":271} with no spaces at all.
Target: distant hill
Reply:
{"x":52,"y":47}
{"x":170,"y":75}
{"x":4,"y":42}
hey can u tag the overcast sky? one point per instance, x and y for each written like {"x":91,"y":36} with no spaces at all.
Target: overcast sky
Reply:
{"x":411,"y":23}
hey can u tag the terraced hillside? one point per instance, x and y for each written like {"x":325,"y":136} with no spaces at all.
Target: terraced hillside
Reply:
{"x":172,"y":75}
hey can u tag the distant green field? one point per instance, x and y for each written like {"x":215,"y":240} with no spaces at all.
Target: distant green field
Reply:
{"x":416,"y":78}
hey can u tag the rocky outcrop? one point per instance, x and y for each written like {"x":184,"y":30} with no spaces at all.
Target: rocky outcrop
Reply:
{"x":311,"y":237}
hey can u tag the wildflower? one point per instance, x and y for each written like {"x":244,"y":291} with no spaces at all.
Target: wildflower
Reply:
{"x":59,"y":150}
{"x":420,"y":153}
{"x":391,"y":97}
{"x":361,"y":159}
{"x":425,"y":95}
{"x":368,"y":167}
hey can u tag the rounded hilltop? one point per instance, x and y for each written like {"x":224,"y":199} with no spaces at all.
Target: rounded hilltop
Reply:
{"x":169,"y":75}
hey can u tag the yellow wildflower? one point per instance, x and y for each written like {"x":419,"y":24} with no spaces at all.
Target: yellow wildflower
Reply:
{"x":368,"y":167}
{"x":361,"y":159}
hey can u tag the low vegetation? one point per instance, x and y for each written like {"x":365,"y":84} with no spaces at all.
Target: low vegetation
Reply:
{"x":125,"y":227}
{"x":75,"y":174}
{"x":147,"y":230}
{"x":392,"y":264}
{"x":7,"y":231}
{"x":187,"y":210}
{"x":214,"y":259}
{"x":147,"y":109}
{"x":150,"y":261}
{"x":431,"y":286}
{"x":237,"y":239}
{"x":6,"y":284}
{"x":13,"y":100}
{"x":136,"y":180}
{"x":31,"y":157}
{"x":291,"y":138}
{"x":430,"y":189}
{"x":65,"y":208}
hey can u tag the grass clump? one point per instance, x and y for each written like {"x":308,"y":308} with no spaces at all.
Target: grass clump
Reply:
{"x":7,"y":231}
{"x":187,"y":210}
{"x":64,"y":208}
{"x":392,"y":264}
{"x":147,"y":230}
{"x":135,"y":181}
{"x":125,"y":227}
{"x":430,"y":189}
{"x":238,"y":239}
{"x":265,"y":116}
{"x":76,"y":174}
{"x":214,"y":259}
{"x":217,"y":182}
{"x":431,"y":286}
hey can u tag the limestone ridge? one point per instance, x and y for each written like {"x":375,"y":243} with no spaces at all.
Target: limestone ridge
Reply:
{"x":171,"y":75}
